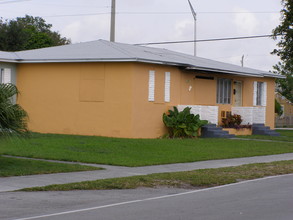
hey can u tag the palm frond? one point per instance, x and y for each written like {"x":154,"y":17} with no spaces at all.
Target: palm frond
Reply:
{"x":13,"y":118}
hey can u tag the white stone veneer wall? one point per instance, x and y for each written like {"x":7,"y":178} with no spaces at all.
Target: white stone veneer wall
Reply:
{"x":209,"y":113}
{"x":251,"y":115}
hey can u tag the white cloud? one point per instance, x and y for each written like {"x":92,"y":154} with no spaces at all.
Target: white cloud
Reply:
{"x":87,"y":29}
{"x":246,"y":23}
{"x":183,"y":29}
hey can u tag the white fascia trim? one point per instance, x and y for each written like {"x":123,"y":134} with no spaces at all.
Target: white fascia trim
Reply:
{"x":8,"y":61}
{"x":187,"y":66}
{"x":76,"y":60}
{"x":96,"y":60}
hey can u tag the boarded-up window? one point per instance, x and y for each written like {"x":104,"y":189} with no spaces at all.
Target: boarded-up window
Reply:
{"x":92,"y":83}
{"x":160,"y":87}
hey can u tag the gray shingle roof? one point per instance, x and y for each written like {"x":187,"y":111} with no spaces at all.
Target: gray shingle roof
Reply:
{"x":7,"y":56}
{"x":105,"y":51}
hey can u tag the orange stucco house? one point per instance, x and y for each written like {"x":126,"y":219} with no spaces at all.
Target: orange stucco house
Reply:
{"x":121,"y":90}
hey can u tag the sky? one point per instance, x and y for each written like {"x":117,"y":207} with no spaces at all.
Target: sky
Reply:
{"x":142,"y":21}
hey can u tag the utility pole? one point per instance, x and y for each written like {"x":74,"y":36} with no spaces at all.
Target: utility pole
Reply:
{"x":242,"y":60}
{"x":113,"y":13}
{"x":194,"y":17}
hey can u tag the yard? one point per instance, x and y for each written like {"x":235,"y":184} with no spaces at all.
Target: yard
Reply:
{"x":22,"y":167}
{"x":286,"y":135}
{"x":139,"y":152}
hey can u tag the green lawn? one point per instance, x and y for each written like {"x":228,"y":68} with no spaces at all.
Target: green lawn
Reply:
{"x":286,"y":135}
{"x":22,"y":167}
{"x":190,"y":179}
{"x":136,"y":152}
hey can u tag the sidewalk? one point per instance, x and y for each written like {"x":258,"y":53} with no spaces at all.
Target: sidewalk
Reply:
{"x":16,"y":183}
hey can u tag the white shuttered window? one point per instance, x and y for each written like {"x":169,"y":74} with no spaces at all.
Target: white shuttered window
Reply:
{"x":264,"y":94}
{"x":5,"y":75}
{"x":151,"y":97}
{"x":167,"y":86}
{"x":259,"y":93}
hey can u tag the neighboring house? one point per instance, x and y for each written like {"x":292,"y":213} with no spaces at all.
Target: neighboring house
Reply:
{"x":286,"y":119}
{"x":7,"y":67}
{"x":121,"y":90}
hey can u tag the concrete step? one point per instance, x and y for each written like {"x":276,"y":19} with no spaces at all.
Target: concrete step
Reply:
{"x":211,"y":131}
{"x":261,"y":129}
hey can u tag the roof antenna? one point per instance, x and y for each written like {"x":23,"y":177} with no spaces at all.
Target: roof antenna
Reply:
{"x":194,"y":17}
{"x":113,"y":13}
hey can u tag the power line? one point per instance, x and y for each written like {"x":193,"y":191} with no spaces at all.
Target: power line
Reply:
{"x":158,"y":13}
{"x":76,"y":15}
{"x":9,"y":2}
{"x":203,"y":12}
{"x":206,"y":40}
{"x":73,"y":6}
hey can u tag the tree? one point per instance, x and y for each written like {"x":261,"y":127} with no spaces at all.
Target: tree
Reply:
{"x":285,"y":50}
{"x":25,"y":33}
{"x":278,"y":108}
{"x":13,"y":119}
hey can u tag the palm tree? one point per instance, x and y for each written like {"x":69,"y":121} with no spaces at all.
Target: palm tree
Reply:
{"x":13,"y":118}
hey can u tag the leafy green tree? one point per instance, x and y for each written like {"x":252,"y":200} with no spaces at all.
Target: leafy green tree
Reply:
{"x":285,"y":51}
{"x":13,"y":119}
{"x":25,"y":33}
{"x":278,"y":108}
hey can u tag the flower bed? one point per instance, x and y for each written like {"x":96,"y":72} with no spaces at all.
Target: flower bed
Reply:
{"x":233,"y":125}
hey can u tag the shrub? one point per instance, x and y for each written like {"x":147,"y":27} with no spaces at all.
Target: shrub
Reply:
{"x":13,"y":119}
{"x":182,"y":124}
{"x":232,"y":121}
{"x":278,"y":108}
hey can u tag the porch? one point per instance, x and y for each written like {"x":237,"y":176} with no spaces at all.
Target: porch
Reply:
{"x":214,"y":114}
{"x":255,"y":116}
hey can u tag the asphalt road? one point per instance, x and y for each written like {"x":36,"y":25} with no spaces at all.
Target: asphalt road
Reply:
{"x":267,"y":199}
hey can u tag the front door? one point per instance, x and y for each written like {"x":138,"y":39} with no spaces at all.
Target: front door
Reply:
{"x":237,"y":91}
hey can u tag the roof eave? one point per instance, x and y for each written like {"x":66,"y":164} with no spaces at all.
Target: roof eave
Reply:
{"x":8,"y":61}
{"x":275,"y":76}
{"x":135,"y":59}
{"x":97,"y":60}
{"x":224,"y":71}
{"x":261,"y":74}
{"x":74,"y":60}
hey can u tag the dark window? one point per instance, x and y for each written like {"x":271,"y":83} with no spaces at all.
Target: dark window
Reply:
{"x":1,"y":75}
{"x":259,"y":93}
{"x":224,"y":91}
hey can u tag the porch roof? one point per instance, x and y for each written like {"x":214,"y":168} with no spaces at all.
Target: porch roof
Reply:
{"x":105,"y":51}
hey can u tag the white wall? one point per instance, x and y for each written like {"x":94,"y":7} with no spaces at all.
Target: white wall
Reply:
{"x":209,"y":113}
{"x":251,"y":115}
